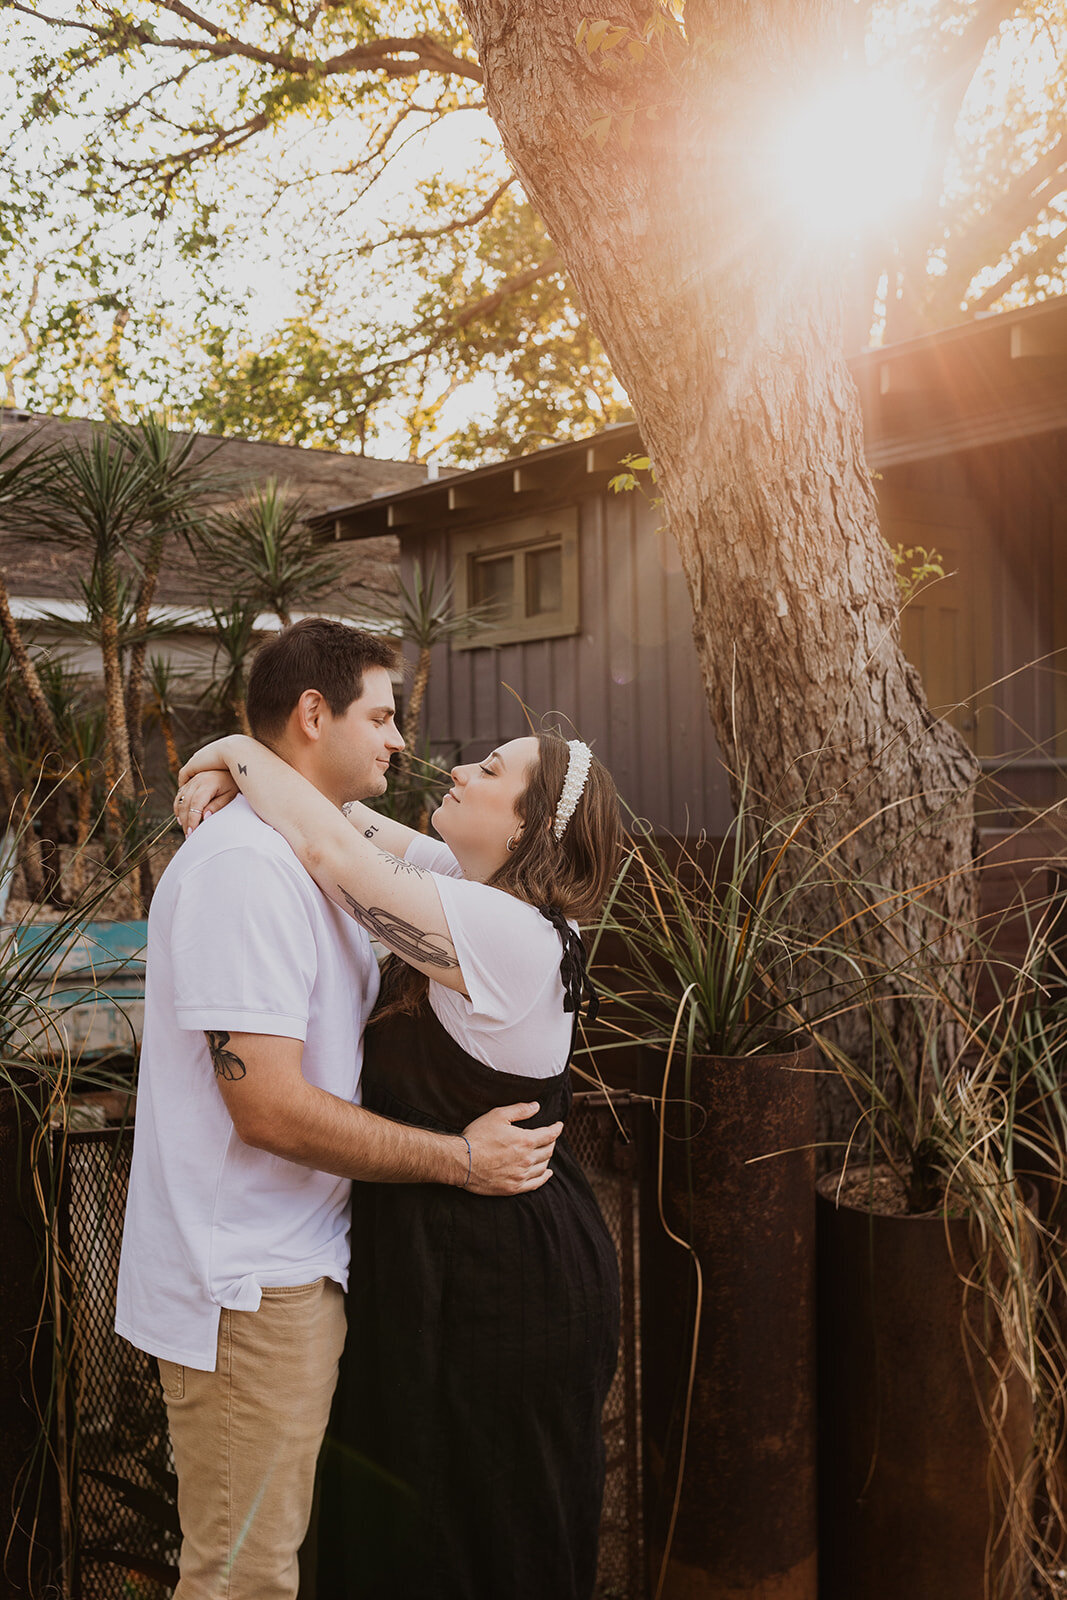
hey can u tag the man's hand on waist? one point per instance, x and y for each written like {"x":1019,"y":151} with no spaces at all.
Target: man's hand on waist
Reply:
{"x":506,"y":1160}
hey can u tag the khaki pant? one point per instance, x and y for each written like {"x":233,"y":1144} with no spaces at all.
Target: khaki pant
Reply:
{"x":246,"y":1438}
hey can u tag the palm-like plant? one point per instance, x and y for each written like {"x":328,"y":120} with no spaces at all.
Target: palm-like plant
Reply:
{"x":234,"y":629}
{"x":21,"y":474}
{"x":160,"y":678}
{"x":97,"y":499}
{"x":185,"y":480}
{"x":424,"y":615}
{"x":21,"y":755}
{"x":86,"y":740}
{"x":268,"y":556}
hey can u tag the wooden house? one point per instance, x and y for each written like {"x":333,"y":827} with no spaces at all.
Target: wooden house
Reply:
{"x":967,"y":432}
{"x":43,"y":578}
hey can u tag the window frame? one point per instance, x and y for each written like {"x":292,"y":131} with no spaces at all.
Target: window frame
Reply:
{"x":519,"y":537}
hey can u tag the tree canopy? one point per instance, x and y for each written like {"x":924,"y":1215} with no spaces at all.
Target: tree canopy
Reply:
{"x":294,"y":220}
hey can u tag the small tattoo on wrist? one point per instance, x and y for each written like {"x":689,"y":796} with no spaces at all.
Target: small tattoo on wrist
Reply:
{"x":242,"y":769}
{"x":368,"y":833}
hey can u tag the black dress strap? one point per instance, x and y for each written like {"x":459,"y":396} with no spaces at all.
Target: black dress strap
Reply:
{"x":577,"y":985}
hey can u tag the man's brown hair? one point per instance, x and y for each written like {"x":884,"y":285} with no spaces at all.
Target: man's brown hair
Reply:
{"x":312,"y":654}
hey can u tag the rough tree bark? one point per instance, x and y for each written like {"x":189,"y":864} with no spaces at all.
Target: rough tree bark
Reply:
{"x":27,"y":672}
{"x":138,"y":651}
{"x":727,"y":337}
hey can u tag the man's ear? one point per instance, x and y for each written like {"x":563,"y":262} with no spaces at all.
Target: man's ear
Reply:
{"x":308,"y":714}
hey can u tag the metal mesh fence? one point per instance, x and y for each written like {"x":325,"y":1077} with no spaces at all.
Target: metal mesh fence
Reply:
{"x":125,"y":1518}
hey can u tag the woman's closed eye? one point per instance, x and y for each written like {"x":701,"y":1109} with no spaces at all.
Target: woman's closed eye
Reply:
{"x":488,"y":771}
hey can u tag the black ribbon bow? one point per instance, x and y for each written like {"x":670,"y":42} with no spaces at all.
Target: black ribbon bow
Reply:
{"x":576,"y":982}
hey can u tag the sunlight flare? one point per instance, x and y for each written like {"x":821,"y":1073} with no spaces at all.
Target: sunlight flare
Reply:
{"x":852,"y":154}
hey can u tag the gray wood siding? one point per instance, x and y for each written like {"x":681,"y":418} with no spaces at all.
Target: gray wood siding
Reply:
{"x":628,"y":682}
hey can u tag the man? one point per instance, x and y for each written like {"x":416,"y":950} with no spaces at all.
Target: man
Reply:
{"x":248,"y":1131}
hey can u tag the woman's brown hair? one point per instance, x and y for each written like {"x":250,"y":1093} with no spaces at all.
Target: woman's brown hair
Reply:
{"x":572,"y":874}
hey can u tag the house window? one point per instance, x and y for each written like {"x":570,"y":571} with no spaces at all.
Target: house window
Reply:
{"x":525,"y":572}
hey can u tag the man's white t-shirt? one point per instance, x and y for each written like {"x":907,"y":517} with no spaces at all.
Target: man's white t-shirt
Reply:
{"x":239,"y":939}
{"x":510,"y":955}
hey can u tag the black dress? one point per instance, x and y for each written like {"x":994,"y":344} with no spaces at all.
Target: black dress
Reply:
{"x":464,"y":1459}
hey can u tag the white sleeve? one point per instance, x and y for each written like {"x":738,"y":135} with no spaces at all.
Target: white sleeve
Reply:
{"x":425,"y":851}
{"x":507,"y":950}
{"x":243,"y":947}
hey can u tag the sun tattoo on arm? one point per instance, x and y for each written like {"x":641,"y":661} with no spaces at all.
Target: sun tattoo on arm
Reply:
{"x":399,"y":865}
{"x":410,"y":943}
{"x":226,"y":1064}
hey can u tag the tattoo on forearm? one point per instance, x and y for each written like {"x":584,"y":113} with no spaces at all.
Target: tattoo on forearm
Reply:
{"x":242,"y":769}
{"x":346,"y":811}
{"x":226,"y":1064}
{"x":410,"y":943}
{"x":399,"y":865}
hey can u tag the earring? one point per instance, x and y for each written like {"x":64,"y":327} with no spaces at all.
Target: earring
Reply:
{"x":513,"y":841}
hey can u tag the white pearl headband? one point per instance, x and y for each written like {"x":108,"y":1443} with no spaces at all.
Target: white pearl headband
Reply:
{"x":579,"y":760}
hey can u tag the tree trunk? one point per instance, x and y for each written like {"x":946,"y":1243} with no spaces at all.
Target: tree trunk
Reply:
{"x":23,"y":662}
{"x":240,"y":711}
{"x":138,"y":651}
{"x":170,"y":744}
{"x":413,"y":710}
{"x":724,"y":326}
{"x":79,"y":863}
{"x":120,"y":774}
{"x":29,"y":849}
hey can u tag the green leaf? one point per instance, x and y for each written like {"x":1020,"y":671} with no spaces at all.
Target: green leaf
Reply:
{"x":599,"y":129}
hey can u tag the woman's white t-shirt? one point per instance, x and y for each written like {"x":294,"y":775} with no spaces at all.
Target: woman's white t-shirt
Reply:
{"x":510,"y":954}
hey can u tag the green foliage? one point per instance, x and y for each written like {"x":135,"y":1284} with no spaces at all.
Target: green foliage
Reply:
{"x":916,"y":566}
{"x":156,"y":170}
{"x":300,"y":386}
{"x":266,"y":554}
{"x":714,"y":935}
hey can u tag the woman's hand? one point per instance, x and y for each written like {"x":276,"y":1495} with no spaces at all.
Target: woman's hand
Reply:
{"x":202,"y":796}
{"x":218,"y":755}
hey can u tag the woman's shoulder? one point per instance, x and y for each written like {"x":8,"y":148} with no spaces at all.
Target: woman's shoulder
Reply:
{"x":433,"y":855}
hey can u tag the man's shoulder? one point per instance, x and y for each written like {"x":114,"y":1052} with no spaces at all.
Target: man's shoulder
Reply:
{"x":234,"y":839}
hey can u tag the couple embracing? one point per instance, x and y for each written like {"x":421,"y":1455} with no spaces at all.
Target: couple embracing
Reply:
{"x":288,"y":1164}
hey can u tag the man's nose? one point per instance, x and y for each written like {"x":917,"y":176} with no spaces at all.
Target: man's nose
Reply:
{"x":395,"y":739}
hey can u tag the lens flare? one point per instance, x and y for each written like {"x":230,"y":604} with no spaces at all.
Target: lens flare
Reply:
{"x":852,"y":155}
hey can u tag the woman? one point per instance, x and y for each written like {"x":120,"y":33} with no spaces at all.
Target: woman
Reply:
{"x":465,"y":1459}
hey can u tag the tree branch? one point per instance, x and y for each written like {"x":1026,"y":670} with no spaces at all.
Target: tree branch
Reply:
{"x":1029,"y":194}
{"x":959,"y":63}
{"x":514,"y":285}
{"x":471,"y":313}
{"x":456,"y":226}
{"x":1007,"y":280}
{"x":394,"y":57}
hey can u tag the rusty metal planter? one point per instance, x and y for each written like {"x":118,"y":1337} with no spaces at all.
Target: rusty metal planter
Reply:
{"x":746,"y":1527}
{"x":907,"y":1500}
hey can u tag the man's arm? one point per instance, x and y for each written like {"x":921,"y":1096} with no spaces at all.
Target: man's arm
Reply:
{"x":274,"y":1108}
